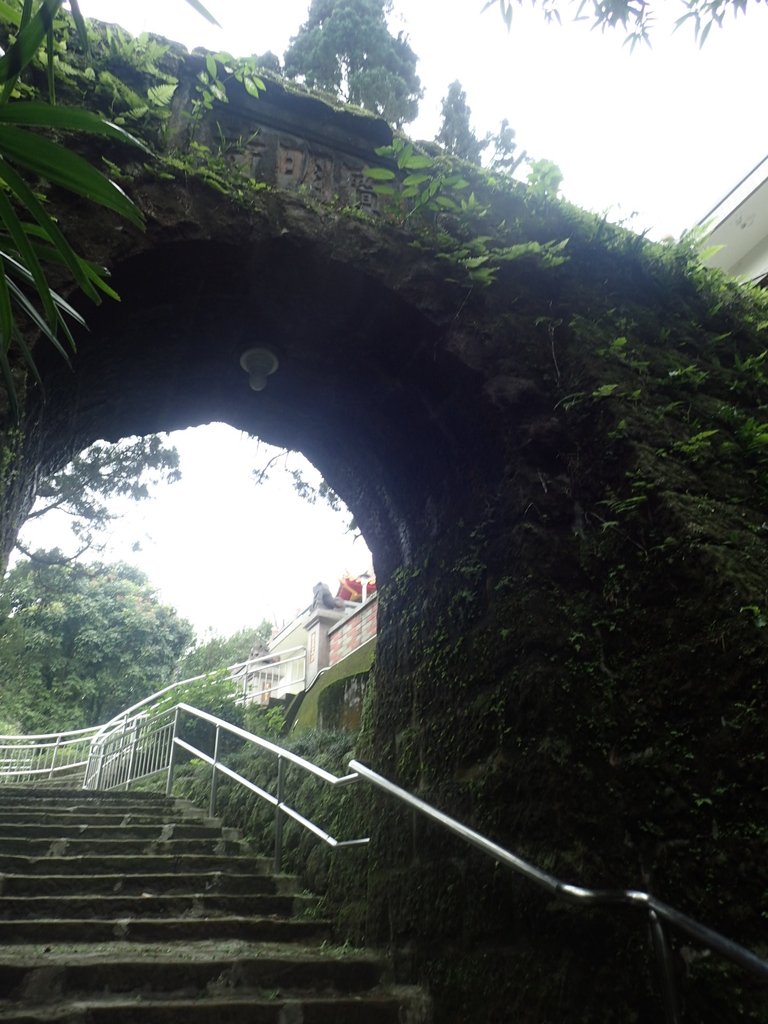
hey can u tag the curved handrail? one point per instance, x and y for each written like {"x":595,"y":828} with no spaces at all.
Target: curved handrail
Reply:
{"x":36,"y":755}
{"x":50,"y":735}
{"x":267,"y":659}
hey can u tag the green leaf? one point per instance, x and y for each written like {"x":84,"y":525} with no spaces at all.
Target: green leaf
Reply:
{"x":37,"y":319}
{"x":210,"y":63}
{"x":53,"y":233}
{"x":49,"y":46}
{"x":475,"y":261}
{"x":378,"y":173}
{"x":161,"y":95}
{"x":82,"y":29}
{"x":59,"y":166}
{"x":416,"y":162}
{"x":604,"y":390}
{"x":219,"y":92}
{"x":384,"y":190}
{"x":43,"y":115}
{"x":60,"y":304}
{"x":253,"y":85}
{"x":6,"y":313}
{"x":9,"y":13}
{"x":404,"y":152}
{"x":28,"y":42}
{"x":27,"y":255}
{"x":415,"y":179}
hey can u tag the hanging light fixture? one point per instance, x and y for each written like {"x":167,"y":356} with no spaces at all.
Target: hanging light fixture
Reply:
{"x":258,"y":363}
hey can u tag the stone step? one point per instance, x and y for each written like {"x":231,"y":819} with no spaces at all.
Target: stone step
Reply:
{"x":93,"y":885}
{"x":32,"y":796}
{"x":117,"y":832}
{"x":111,"y":818}
{"x":51,"y":931}
{"x":39,"y":979}
{"x":21,"y":908}
{"x":83,"y":809}
{"x":83,"y":846}
{"x":372,"y":1008}
{"x":133,"y":909}
{"x":135,"y":863}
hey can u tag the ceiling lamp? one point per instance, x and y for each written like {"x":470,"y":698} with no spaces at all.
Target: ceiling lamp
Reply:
{"x":258,"y":363}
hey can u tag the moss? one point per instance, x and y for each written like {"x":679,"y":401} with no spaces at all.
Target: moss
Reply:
{"x":356,"y":665}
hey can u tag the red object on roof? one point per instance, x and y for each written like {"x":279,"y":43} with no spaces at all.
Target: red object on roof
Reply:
{"x":351,"y":589}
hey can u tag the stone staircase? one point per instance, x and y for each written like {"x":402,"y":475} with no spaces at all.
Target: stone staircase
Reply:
{"x":130,"y":907}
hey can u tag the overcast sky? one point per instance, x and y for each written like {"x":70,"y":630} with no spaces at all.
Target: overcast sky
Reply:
{"x":656,"y":136}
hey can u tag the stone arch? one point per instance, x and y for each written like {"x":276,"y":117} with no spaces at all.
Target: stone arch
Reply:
{"x":367,"y":388}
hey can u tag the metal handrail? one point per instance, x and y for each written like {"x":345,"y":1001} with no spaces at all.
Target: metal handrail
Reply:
{"x":48,"y":754}
{"x":232,"y":669}
{"x":658,"y":911}
{"x":50,"y":735}
{"x":282,"y":808}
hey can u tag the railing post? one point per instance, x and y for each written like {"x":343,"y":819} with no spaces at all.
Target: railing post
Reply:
{"x":53,"y":757}
{"x":132,"y":758}
{"x":100,"y":769}
{"x":214,"y":775}
{"x":279,"y":816}
{"x":665,"y":967}
{"x":172,"y":752}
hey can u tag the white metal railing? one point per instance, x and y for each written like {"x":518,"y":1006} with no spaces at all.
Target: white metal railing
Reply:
{"x":45,"y":755}
{"x":137,"y":748}
{"x":271,"y":675}
{"x":277,"y":799}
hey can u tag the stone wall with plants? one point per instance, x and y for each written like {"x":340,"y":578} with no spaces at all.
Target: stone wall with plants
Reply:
{"x":580,"y":672}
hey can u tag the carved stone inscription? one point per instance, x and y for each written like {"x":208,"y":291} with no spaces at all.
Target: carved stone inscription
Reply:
{"x":299,"y":166}
{"x":358,"y":189}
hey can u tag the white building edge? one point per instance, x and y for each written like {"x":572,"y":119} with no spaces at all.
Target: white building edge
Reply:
{"x":739,"y":225}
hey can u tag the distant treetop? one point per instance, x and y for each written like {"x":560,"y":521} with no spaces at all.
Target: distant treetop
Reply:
{"x":345,"y":47}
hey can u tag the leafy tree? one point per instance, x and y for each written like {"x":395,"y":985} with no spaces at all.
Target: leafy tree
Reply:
{"x":634,"y":16}
{"x":79,"y":643}
{"x":345,"y":47}
{"x":104,"y":471}
{"x":269,"y":61}
{"x":544,"y":178}
{"x":219,"y":652}
{"x":505,"y":159}
{"x":456,"y":134}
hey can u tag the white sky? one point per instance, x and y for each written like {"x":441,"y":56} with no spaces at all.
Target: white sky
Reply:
{"x":658,"y":136}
